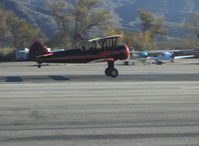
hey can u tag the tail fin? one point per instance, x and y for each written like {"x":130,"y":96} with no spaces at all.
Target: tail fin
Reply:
{"x":37,"y":49}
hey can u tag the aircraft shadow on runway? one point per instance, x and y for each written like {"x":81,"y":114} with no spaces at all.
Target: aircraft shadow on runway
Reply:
{"x":54,"y":78}
{"x":123,"y":77}
{"x":35,"y":78}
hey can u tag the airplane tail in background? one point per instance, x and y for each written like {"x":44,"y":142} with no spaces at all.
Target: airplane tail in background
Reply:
{"x":37,"y":49}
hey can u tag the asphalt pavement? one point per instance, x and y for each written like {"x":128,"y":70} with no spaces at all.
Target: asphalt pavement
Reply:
{"x":77,"y":105}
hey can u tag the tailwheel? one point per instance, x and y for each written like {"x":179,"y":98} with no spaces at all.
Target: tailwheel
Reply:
{"x":39,"y":65}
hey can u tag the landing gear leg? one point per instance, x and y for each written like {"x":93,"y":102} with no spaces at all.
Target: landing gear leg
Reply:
{"x":39,"y":65}
{"x":159,"y":62}
{"x":110,"y":70}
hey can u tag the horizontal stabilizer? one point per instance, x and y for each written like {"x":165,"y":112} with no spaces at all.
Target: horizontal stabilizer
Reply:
{"x":47,"y":55}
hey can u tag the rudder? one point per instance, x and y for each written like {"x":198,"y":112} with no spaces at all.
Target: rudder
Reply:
{"x":37,"y":49}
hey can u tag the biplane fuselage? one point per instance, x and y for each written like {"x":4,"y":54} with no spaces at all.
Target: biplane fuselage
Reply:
{"x":84,"y":56}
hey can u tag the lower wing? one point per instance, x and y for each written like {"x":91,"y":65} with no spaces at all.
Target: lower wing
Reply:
{"x":102,"y":60}
{"x":182,"y":57}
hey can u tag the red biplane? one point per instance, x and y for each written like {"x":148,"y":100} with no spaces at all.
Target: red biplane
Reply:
{"x":102,"y":49}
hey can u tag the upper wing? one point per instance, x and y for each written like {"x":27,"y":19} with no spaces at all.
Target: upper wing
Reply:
{"x":107,"y":37}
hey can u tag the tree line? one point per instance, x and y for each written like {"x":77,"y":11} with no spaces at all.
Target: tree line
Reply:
{"x":83,"y":19}
{"x":16,"y":32}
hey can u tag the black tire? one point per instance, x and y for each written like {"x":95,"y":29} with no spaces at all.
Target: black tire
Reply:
{"x":39,"y":65}
{"x":108,"y":72}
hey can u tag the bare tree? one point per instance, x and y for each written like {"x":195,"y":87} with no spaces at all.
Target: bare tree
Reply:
{"x":21,"y":32}
{"x":152,"y":23}
{"x":192,"y":24}
{"x":78,"y":19}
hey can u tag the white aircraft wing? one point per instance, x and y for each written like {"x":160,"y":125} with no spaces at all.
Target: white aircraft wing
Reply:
{"x":107,"y":37}
{"x":182,"y":57}
{"x":191,"y":51}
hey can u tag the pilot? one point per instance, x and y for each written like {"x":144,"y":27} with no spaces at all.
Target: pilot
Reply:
{"x":83,"y":48}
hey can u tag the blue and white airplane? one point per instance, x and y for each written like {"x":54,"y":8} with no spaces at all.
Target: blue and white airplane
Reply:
{"x":162,"y":55}
{"x":168,"y":56}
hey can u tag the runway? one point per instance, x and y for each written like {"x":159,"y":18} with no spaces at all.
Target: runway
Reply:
{"x":77,"y":105}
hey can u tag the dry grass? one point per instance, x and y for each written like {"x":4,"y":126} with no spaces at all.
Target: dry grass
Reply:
{"x":7,"y":54}
{"x":6,"y":51}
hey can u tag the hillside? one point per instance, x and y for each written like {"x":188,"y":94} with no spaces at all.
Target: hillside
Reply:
{"x":175,"y":12}
{"x":32,"y":11}
{"x":124,"y":12}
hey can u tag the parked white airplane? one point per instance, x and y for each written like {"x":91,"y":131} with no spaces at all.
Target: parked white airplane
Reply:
{"x":168,"y":56}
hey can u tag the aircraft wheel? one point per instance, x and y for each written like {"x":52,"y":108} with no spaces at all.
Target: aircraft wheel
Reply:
{"x":108,"y":71}
{"x":114,"y":73}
